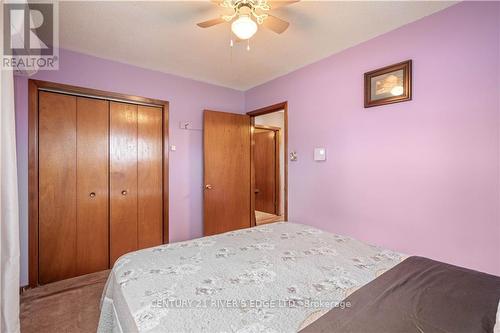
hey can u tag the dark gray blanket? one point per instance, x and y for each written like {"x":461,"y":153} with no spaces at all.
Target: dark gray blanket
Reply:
{"x":418,"y":295}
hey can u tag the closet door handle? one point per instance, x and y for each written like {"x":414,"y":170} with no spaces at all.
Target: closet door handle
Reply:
{"x":92,"y":194}
{"x":124,"y":192}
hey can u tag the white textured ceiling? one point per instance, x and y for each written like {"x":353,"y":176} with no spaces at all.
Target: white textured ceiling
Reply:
{"x":163,"y":35}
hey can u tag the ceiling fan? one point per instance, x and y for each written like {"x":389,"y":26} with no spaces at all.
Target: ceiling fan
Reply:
{"x":248,"y":14}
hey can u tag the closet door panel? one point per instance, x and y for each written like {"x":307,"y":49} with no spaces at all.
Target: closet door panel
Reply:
{"x":57,"y":187}
{"x":150,"y":176}
{"x":92,"y":185}
{"x":123,"y":179}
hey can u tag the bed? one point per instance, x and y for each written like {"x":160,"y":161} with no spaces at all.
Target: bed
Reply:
{"x":270,"y":278}
{"x":419,"y":295}
{"x":287,"y":277}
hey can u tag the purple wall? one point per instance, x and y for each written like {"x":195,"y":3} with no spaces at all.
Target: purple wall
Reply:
{"x":420,"y":177}
{"x":187,"y":100}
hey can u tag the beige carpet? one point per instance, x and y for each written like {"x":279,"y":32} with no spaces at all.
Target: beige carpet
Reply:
{"x":66,"y":306}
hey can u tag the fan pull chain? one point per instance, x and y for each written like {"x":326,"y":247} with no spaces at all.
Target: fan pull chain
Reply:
{"x":231,"y":52}
{"x":248,"y":44}
{"x":231,"y":44}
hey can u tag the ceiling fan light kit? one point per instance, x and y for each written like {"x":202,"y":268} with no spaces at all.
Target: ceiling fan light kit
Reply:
{"x":244,"y":27}
{"x":247,"y":15}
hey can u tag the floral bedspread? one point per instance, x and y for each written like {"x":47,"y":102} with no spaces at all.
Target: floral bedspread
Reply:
{"x":268,"y":278}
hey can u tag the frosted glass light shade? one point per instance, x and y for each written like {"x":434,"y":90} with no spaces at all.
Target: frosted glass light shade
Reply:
{"x":244,"y":27}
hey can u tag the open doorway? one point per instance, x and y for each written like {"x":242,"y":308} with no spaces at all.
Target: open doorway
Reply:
{"x":269,"y":164}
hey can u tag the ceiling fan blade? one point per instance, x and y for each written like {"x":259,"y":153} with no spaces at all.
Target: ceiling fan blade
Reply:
{"x":275,"y":24}
{"x":210,"y":23}
{"x":281,"y":3}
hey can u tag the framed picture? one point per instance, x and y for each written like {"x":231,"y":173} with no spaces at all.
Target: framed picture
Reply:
{"x":391,"y":84}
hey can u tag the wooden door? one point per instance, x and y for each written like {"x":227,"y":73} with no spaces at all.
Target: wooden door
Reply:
{"x":98,"y":179}
{"x":92,"y":135}
{"x":73,"y":186}
{"x":266,"y":159}
{"x":226,"y":172}
{"x":57,"y":187}
{"x":150,"y":176}
{"x":123,"y":179}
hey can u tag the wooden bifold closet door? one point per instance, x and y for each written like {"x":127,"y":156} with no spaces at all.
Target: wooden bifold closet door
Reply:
{"x":73,"y":186}
{"x":100,"y":182}
{"x":92,"y":185}
{"x":136,"y":177}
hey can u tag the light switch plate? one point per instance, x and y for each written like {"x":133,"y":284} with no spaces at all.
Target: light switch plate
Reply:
{"x":319,"y":154}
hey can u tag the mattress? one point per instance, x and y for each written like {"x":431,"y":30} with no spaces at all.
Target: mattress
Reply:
{"x":268,"y":278}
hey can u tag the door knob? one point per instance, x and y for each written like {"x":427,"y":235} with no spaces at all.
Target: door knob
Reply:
{"x":124,"y":192}
{"x":208,"y":187}
{"x":92,"y":194}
